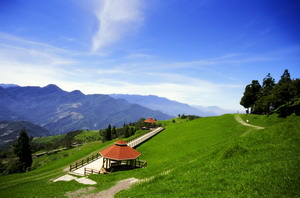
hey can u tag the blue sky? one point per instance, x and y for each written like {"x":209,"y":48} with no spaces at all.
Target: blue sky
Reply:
{"x":200,"y":52}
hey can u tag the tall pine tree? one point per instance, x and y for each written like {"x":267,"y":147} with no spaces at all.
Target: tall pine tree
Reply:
{"x":265,"y":103}
{"x":108,"y":133}
{"x":23,"y":151}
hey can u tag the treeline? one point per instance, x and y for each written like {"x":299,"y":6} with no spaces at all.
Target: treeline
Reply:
{"x":189,"y":117}
{"x":271,"y":97}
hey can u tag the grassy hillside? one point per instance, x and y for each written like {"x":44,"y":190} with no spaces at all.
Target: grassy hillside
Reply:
{"x":217,"y":161}
{"x":37,"y":183}
{"x":203,"y":157}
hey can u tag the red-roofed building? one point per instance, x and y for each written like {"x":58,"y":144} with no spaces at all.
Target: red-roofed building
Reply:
{"x":149,"y":123}
{"x":118,"y":153}
{"x":150,"y":120}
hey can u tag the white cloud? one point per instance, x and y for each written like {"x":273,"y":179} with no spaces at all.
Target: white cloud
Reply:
{"x":26,"y":63}
{"x":117,"y":19}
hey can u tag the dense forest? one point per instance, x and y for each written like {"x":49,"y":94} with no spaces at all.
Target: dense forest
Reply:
{"x":271,"y":97}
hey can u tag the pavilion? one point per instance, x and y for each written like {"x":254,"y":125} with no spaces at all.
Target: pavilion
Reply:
{"x":150,"y":120}
{"x":118,"y":156}
{"x":149,"y":123}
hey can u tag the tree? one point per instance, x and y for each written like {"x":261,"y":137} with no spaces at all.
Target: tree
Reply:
{"x":108,"y":133}
{"x":287,"y":95}
{"x":284,"y":90}
{"x":247,"y":99}
{"x":282,"y":98}
{"x":285,"y":78}
{"x":22,"y":150}
{"x":126,"y":131}
{"x":268,"y":85}
{"x":114,"y":132}
{"x":265,"y":103}
{"x":251,"y":95}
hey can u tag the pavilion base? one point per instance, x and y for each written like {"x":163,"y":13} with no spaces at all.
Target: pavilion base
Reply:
{"x":114,"y":166}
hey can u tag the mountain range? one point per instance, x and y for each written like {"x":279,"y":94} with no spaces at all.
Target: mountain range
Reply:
{"x":60,"y":111}
{"x":170,"y":107}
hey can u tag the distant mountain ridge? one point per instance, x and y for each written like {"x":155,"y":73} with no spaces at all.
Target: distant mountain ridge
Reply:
{"x":9,"y":131}
{"x":168,"y":106}
{"x":215,"y":109}
{"x":8,"y":85}
{"x":59,"y":111}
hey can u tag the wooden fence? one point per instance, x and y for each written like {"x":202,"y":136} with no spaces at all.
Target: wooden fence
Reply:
{"x":83,"y":162}
{"x":138,"y":140}
{"x":88,"y":171}
{"x":142,"y":164}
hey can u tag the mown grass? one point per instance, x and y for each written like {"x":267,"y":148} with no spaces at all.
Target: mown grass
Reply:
{"x":266,"y":120}
{"x":207,"y":157}
{"x":49,"y":139}
{"x":223,"y":164}
{"x":88,"y":136}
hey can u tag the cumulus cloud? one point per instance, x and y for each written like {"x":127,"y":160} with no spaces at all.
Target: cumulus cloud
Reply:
{"x":117,"y":19}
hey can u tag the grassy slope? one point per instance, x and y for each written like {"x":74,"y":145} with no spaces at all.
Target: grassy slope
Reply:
{"x":48,"y":139}
{"x":36,"y":183}
{"x":217,"y":162}
{"x":207,"y":157}
{"x":87,"y":136}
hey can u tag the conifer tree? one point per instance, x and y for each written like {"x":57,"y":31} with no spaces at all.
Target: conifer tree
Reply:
{"x":108,"y":133}
{"x":114,"y":132}
{"x":126,"y":131}
{"x":23,"y":151}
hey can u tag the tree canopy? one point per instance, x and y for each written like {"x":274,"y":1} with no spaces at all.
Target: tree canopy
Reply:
{"x":282,"y":98}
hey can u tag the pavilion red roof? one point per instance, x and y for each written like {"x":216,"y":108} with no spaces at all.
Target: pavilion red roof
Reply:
{"x":120,"y":151}
{"x":150,"y":120}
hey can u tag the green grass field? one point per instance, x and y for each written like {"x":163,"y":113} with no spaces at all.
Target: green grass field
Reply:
{"x":206,"y":157}
{"x":88,"y":136}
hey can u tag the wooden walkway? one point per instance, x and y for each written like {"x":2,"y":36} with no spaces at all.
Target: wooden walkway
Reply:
{"x":140,"y":140}
{"x":96,"y":165}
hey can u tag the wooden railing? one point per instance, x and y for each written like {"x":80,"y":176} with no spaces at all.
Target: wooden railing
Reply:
{"x":138,"y":140}
{"x":135,"y":137}
{"x":88,"y":171}
{"x":142,"y":164}
{"x":54,"y":151}
{"x":83,"y":162}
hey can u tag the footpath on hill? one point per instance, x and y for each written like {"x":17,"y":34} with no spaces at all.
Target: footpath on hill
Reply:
{"x":241,"y":121}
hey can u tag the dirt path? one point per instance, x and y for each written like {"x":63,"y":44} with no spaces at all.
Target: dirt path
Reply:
{"x":239,"y":119}
{"x":109,"y":193}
